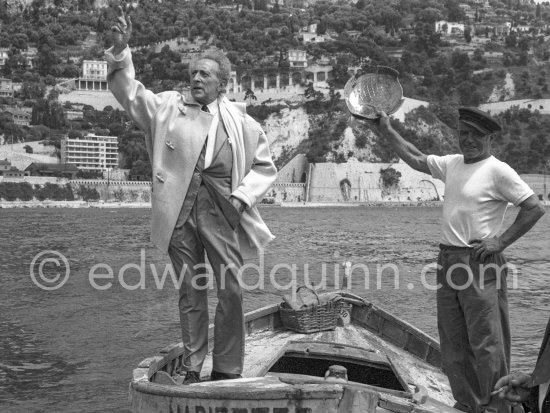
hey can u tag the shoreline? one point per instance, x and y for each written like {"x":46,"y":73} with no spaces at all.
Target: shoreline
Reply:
{"x":360,"y":204}
{"x":72,"y":204}
{"x":147,"y":205}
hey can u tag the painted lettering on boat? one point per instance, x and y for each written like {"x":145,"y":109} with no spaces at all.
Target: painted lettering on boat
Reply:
{"x":202,"y":409}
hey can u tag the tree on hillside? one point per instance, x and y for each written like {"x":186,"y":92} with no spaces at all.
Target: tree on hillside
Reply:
{"x":391,"y":20}
{"x":32,"y":90}
{"x":311,"y":93}
{"x":454,"y":12}
{"x":141,"y":168}
{"x":48,"y":113}
{"x":250,"y":96}
{"x":468,"y":34}
{"x":73,"y":134}
{"x":428,"y":15}
{"x":511,"y":40}
{"x":390,"y":177}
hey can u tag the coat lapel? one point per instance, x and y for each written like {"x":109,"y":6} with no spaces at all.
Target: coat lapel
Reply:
{"x":221,"y":137}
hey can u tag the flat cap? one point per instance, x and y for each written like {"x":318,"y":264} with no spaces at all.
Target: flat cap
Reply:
{"x":478,"y":120}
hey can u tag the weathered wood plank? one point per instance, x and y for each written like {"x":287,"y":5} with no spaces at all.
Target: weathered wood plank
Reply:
{"x":140,"y":374}
{"x":257,"y":388}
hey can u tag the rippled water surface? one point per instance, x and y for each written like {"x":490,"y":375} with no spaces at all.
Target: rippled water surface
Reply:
{"x":73,"y":349}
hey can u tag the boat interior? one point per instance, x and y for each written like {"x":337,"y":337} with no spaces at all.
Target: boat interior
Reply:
{"x":378,"y":352}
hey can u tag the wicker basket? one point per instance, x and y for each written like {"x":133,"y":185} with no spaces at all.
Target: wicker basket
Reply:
{"x":313,"y":318}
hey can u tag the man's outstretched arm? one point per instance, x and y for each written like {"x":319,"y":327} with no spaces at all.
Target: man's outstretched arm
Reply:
{"x":410,"y":154}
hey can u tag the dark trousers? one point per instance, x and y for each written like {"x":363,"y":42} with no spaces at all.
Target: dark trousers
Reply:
{"x":207,"y":229}
{"x":473,"y":327}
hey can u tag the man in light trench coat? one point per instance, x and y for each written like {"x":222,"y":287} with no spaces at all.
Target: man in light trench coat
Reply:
{"x":211,"y":164}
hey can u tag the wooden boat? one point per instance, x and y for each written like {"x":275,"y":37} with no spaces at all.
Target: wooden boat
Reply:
{"x":391,"y":367}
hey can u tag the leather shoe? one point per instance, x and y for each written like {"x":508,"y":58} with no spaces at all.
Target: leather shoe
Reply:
{"x":217,"y":375}
{"x":192,"y":377}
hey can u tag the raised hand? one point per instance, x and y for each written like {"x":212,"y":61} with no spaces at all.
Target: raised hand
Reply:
{"x":383,"y":120}
{"x":122,"y":31}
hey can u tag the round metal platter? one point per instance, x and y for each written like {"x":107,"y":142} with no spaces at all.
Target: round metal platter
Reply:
{"x":372,"y":92}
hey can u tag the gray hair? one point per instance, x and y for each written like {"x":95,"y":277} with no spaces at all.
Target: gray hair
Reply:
{"x":223,"y":62}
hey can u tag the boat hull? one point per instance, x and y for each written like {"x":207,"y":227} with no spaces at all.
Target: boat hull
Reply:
{"x":373,"y":336}
{"x":257,"y":395}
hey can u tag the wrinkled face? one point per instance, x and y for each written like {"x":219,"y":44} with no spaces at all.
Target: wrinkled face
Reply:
{"x":205,"y":85}
{"x":473,"y":145}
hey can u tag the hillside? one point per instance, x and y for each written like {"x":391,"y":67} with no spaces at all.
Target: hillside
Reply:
{"x":21,"y":159}
{"x":326,"y":132}
{"x":498,"y":56}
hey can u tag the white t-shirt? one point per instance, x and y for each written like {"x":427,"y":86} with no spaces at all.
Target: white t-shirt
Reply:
{"x":476,"y":196}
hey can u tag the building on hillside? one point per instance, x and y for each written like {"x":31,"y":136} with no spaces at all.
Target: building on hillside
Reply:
{"x":30,"y":56}
{"x":523,"y":28}
{"x":307,"y":37}
{"x":480,"y":41}
{"x":4,"y":56}
{"x":72,"y":114}
{"x":91,"y":153}
{"x":353,"y":34}
{"x":18,"y":116}
{"x":408,"y":30}
{"x":494,"y":58}
{"x":481,"y":3}
{"x":5,"y":165}
{"x":297,"y":58}
{"x":449,"y":28}
{"x":310,"y":28}
{"x":94,"y":69}
{"x":323,"y":61}
{"x":395,"y":52}
{"x":502,"y":30}
{"x":52,"y":169}
{"x":94,"y":76}
{"x":14,"y":173}
{"x":6,"y":88}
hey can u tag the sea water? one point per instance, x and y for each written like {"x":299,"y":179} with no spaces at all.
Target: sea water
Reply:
{"x":73,"y":348}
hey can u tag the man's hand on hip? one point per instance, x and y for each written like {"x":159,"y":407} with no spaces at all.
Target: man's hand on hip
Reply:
{"x":485,"y":247}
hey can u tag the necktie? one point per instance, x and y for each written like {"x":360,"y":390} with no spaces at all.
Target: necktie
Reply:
{"x":204,"y":108}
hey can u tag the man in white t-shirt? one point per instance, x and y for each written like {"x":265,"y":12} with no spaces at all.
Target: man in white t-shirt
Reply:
{"x":472,"y":306}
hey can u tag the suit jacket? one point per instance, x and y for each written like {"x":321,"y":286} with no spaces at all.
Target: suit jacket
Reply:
{"x":176,"y":130}
{"x":534,"y":398}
